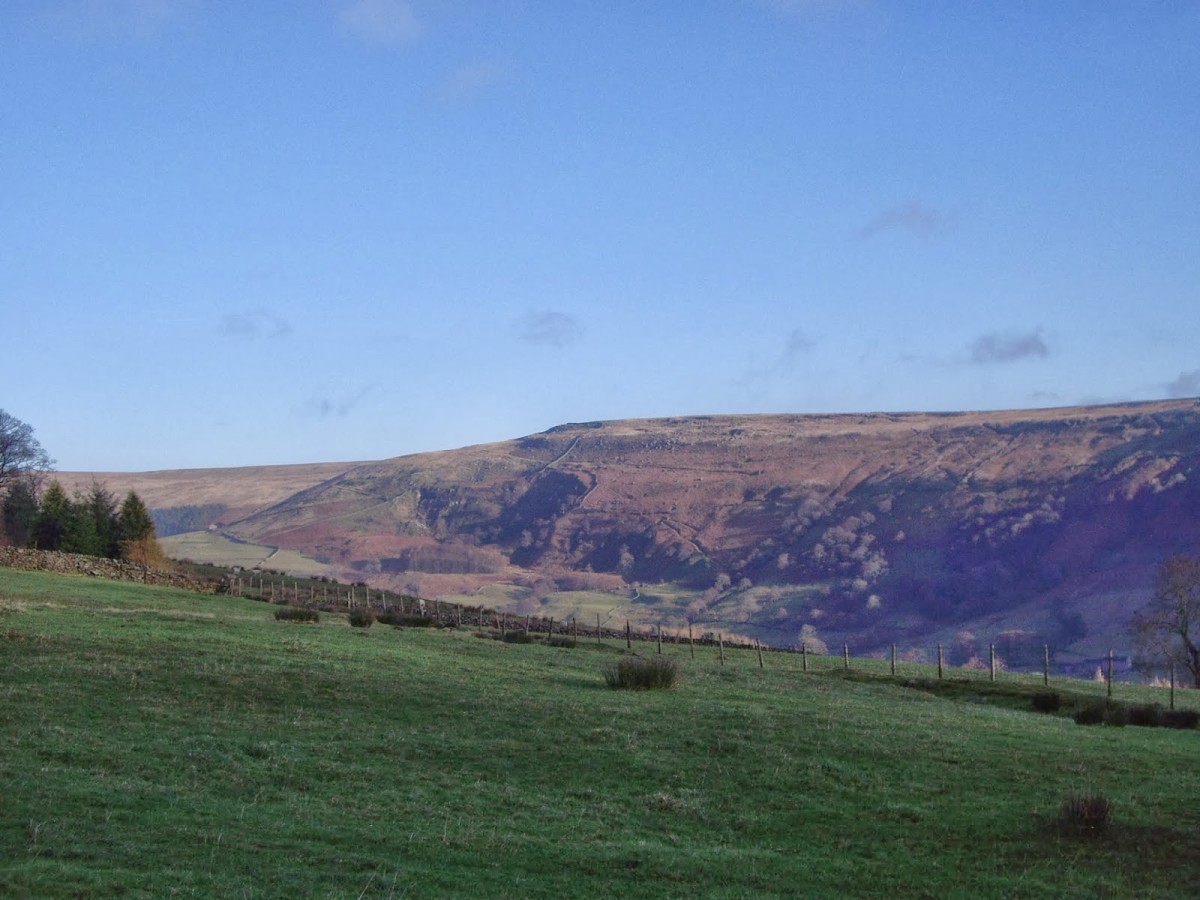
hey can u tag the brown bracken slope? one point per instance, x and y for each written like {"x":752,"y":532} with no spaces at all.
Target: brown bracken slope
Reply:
{"x":878,"y":527}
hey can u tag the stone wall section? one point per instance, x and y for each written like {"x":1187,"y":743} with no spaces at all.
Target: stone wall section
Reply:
{"x":99,"y":567}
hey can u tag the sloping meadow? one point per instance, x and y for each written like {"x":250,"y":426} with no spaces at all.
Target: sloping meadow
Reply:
{"x":155,"y":742}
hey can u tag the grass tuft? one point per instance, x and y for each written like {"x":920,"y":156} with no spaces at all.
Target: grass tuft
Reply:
{"x":1091,"y":713}
{"x":1180,"y":718}
{"x":1146,"y":715}
{"x":1085,"y":813}
{"x":297,"y":614}
{"x":639,"y":673}
{"x":1046,"y":701}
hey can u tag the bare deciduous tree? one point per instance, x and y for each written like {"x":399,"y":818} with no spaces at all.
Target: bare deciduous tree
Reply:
{"x":20,"y":452}
{"x":1169,"y":627}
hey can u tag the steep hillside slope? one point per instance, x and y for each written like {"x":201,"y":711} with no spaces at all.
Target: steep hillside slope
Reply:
{"x":883,"y":527}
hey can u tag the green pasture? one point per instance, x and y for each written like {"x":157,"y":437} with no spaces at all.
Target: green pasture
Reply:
{"x":215,"y":549}
{"x":156,"y":743}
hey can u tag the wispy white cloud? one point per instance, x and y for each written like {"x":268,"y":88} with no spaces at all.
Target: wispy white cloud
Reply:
{"x":550,"y":328}
{"x":324,"y":407}
{"x":1008,"y":347}
{"x":256,"y":324}
{"x":1186,"y":385}
{"x":381,"y":21}
{"x":912,"y":218}
{"x":797,"y":345}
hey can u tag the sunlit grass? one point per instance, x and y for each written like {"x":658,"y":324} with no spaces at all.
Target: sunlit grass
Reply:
{"x":156,"y":743}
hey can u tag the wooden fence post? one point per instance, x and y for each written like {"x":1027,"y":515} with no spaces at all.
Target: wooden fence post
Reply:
{"x":1045,"y":664}
{"x":628,"y":635}
{"x":1110,"y":667}
{"x":597,"y":629}
{"x":758,"y":644}
{"x":659,"y":638}
{"x":721,"y":647}
{"x":691,"y":645}
{"x":846,"y":656}
{"x":893,"y":660}
{"x":1172,"y":684}
{"x":991,"y":662}
{"x":804,"y":657}
{"x":939,"y":662}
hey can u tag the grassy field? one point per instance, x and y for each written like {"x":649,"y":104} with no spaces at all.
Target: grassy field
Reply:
{"x":156,"y":743}
{"x":216,"y":549}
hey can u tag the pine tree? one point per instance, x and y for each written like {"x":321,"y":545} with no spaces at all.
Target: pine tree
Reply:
{"x":134,"y":519}
{"x":138,"y":541}
{"x":50,"y":527}
{"x":102,"y":509}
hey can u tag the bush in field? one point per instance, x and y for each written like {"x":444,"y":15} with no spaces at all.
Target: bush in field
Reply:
{"x":1116,"y":715}
{"x":1089,"y":714}
{"x":361,"y":617}
{"x":1147,"y":715}
{"x":1084,"y":814}
{"x":561,"y":640}
{"x":404,"y":620}
{"x":1046,"y":701}
{"x":517,"y":637}
{"x":297,"y":614}
{"x":1180,"y":718}
{"x":638,"y":673}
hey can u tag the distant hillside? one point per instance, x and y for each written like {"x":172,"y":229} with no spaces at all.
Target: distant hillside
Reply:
{"x":1044,"y":524}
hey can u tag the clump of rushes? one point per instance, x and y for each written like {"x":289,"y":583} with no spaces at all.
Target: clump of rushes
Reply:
{"x":1046,"y":701}
{"x":1085,"y":813}
{"x":297,"y":614}
{"x":362,"y":617}
{"x":639,"y":673}
{"x":1089,"y":714}
{"x":1180,"y":718}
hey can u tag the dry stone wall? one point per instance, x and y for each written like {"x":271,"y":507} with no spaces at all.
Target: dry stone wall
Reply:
{"x":98,"y":567}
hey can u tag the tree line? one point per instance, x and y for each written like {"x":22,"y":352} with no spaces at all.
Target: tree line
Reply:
{"x":90,"y":522}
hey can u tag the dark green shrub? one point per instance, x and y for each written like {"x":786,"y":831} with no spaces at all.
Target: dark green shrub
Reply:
{"x":297,"y":614}
{"x":517,"y":637}
{"x":1085,"y":814}
{"x":1146,"y":715}
{"x":404,"y":620}
{"x":1089,"y":714}
{"x":561,"y":640}
{"x":1179,"y":718}
{"x":1046,"y":701}
{"x":361,"y":617}
{"x":639,"y":673}
{"x":1116,"y":715}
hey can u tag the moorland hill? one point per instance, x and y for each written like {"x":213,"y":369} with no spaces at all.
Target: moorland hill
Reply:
{"x":1046,"y":525}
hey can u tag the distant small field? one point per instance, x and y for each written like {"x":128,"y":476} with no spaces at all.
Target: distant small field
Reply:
{"x":218,"y":550}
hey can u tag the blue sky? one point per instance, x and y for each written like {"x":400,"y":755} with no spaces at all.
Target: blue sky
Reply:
{"x":255,"y":233}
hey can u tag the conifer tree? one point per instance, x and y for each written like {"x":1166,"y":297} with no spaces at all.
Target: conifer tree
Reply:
{"x":138,"y":540}
{"x":50,"y":527}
